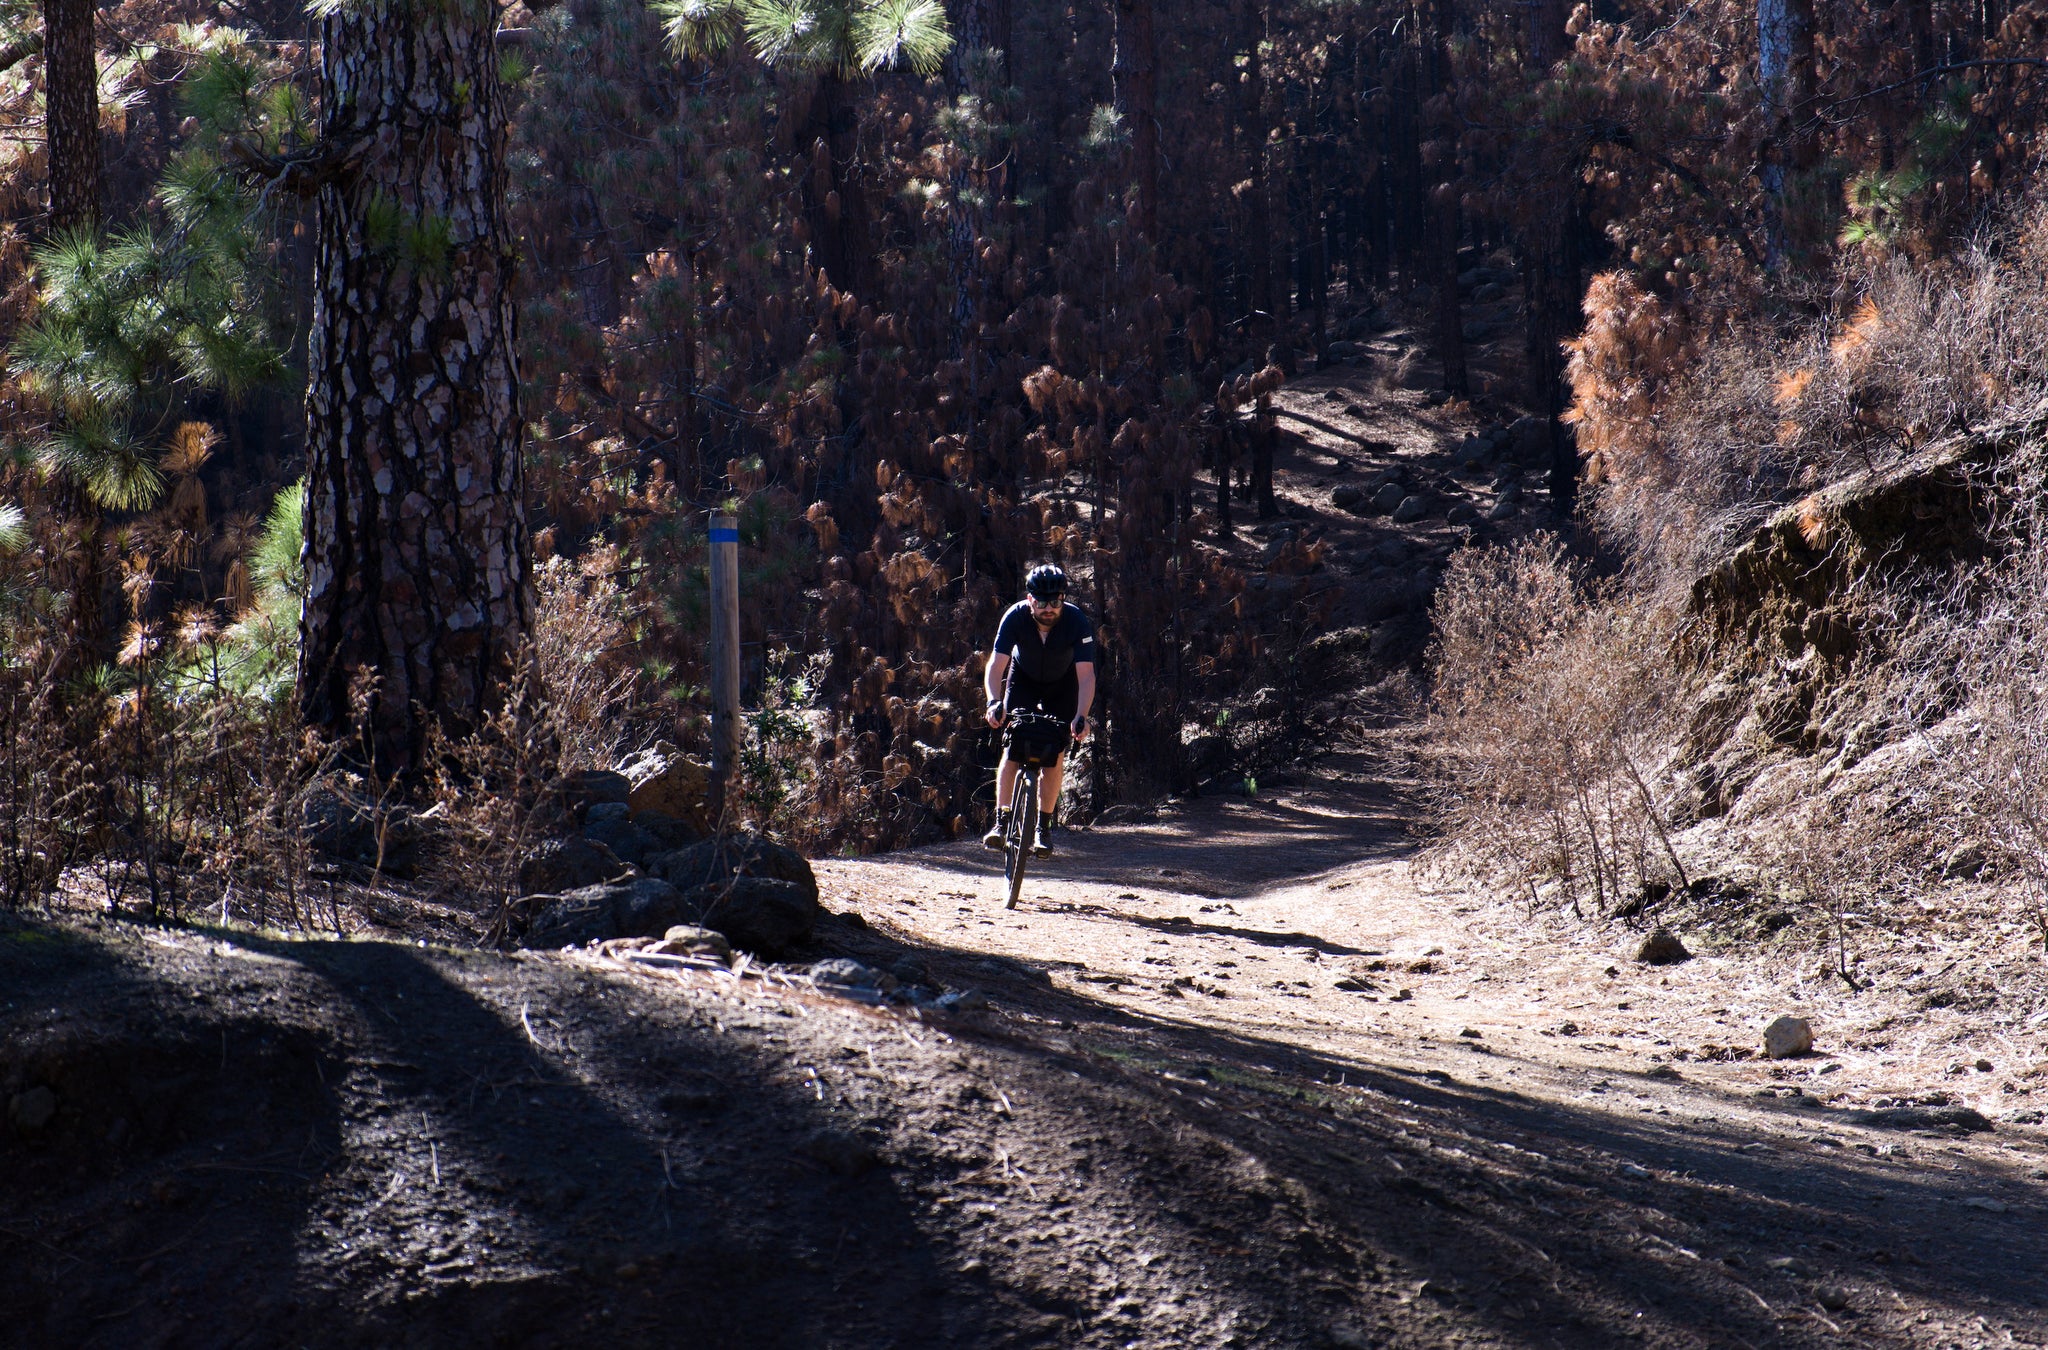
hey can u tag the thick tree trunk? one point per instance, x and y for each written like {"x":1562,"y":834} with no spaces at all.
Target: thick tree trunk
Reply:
{"x":1251,"y":114}
{"x":1784,"y":76}
{"x":1134,"y":76}
{"x":839,"y":204}
{"x":974,"y":70}
{"x":71,"y":97}
{"x":417,"y":558}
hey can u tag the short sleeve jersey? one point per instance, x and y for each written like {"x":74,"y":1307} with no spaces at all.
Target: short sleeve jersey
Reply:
{"x":1051,"y":657}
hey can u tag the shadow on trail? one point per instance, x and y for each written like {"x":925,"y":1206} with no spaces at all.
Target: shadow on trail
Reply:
{"x":351,"y":1147}
{"x":1537,"y":1222}
{"x":1195,"y":928}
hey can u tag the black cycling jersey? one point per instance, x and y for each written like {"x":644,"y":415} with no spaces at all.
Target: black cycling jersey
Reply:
{"x":1047,"y":659}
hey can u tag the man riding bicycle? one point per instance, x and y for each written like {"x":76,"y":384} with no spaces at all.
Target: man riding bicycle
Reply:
{"x":1044,"y":661}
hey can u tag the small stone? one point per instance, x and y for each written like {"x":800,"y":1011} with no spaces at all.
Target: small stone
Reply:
{"x":1662,"y":948}
{"x":845,"y":973}
{"x":1664,"y":1072}
{"x":1788,"y":1036}
{"x":1351,"y":984}
{"x":1389,"y":497}
{"x":1983,"y":1066}
{"x":1790,"y":1265}
{"x":961,"y":1000}
{"x":1987,"y":1204}
{"x":1636,"y":1171}
{"x":1833,"y":1297}
{"x":1347,"y":496}
{"x":1470,"y":1033}
{"x":30,"y":1111}
{"x":687,"y":939}
{"x":1410,"y":508}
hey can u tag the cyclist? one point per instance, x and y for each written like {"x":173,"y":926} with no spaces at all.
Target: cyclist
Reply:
{"x":1044,"y":659}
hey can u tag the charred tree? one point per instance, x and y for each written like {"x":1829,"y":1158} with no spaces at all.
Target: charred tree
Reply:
{"x":1134,"y":73}
{"x":418,"y":595}
{"x":71,"y":97}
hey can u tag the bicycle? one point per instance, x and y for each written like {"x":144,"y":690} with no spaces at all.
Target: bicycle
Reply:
{"x":1034,"y":742}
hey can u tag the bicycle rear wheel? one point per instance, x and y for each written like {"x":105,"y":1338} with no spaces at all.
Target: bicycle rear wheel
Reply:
{"x":1023,"y":826}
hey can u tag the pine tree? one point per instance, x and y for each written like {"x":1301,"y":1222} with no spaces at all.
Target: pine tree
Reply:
{"x":418,"y":593}
{"x":71,"y":100}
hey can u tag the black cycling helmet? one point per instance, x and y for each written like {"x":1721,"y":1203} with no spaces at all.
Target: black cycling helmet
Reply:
{"x":1045,"y":582}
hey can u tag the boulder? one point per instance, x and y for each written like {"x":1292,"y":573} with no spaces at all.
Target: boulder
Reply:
{"x":1390,"y":496}
{"x":763,"y":915}
{"x":1788,"y":1036}
{"x":557,"y":865}
{"x":586,"y":788}
{"x":668,"y":833}
{"x":1347,"y":496}
{"x":663,"y":780}
{"x":640,"y":907}
{"x":368,"y":834}
{"x":627,"y":841}
{"x":1208,"y":756}
{"x":1410,"y":508}
{"x":1529,"y":440}
{"x":1662,"y":948}
{"x":741,"y":854}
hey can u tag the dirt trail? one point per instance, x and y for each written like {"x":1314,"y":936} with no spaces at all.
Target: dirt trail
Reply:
{"x":1244,"y":1078}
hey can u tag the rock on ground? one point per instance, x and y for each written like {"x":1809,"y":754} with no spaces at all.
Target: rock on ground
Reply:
{"x":1788,"y":1036}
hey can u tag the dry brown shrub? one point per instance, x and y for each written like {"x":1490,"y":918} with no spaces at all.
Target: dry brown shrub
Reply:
{"x":1697,"y":425}
{"x":583,"y":655}
{"x":1998,"y":768}
{"x":44,"y":785}
{"x":1552,"y":711}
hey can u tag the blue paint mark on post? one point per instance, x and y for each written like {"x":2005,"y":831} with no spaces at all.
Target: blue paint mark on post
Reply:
{"x":724,"y":536}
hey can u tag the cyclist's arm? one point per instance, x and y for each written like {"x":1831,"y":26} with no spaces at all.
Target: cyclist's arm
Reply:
{"x":992,"y":682}
{"x":1084,"y":675}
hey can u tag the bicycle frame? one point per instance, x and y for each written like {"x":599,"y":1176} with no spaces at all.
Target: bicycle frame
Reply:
{"x":1023,"y":826}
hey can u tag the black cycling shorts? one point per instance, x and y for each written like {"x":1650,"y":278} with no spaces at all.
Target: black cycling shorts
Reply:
{"x":1061,"y":697}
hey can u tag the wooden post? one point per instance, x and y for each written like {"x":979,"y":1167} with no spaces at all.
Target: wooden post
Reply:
{"x":725,"y":645}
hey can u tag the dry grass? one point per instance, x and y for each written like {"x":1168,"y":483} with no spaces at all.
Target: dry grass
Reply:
{"x":1552,"y":708}
{"x":1698,"y":425}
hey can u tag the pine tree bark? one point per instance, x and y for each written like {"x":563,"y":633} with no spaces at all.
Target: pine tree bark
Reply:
{"x":1784,"y":76}
{"x":417,"y":555}
{"x":1134,"y":76}
{"x":71,"y":100}
{"x":977,"y":60}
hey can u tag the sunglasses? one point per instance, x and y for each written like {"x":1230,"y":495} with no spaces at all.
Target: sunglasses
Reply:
{"x":1053,"y":603}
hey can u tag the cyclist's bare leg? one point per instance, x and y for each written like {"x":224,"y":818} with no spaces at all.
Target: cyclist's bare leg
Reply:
{"x":1006,"y":782}
{"x":1049,"y":788}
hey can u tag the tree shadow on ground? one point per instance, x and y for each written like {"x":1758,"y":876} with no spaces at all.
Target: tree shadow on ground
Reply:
{"x":1536,"y":1221}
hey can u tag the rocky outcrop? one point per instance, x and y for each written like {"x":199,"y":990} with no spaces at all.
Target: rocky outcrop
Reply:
{"x":759,"y":894}
{"x":1778,"y":626}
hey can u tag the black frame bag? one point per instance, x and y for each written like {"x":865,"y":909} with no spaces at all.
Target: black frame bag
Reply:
{"x":1036,"y":739}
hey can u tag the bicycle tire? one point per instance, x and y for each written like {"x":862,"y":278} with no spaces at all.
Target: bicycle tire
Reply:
{"x":1023,"y":821}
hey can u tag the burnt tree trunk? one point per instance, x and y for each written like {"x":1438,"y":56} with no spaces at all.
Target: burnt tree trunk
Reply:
{"x":71,"y":94}
{"x":975,"y":70}
{"x":1134,"y":75}
{"x":418,"y":591}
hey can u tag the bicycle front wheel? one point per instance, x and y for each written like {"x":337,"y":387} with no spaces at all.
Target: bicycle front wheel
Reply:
{"x":1023,"y":828}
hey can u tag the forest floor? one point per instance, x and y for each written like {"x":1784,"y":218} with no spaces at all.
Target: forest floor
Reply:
{"x":1246,"y":1076}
